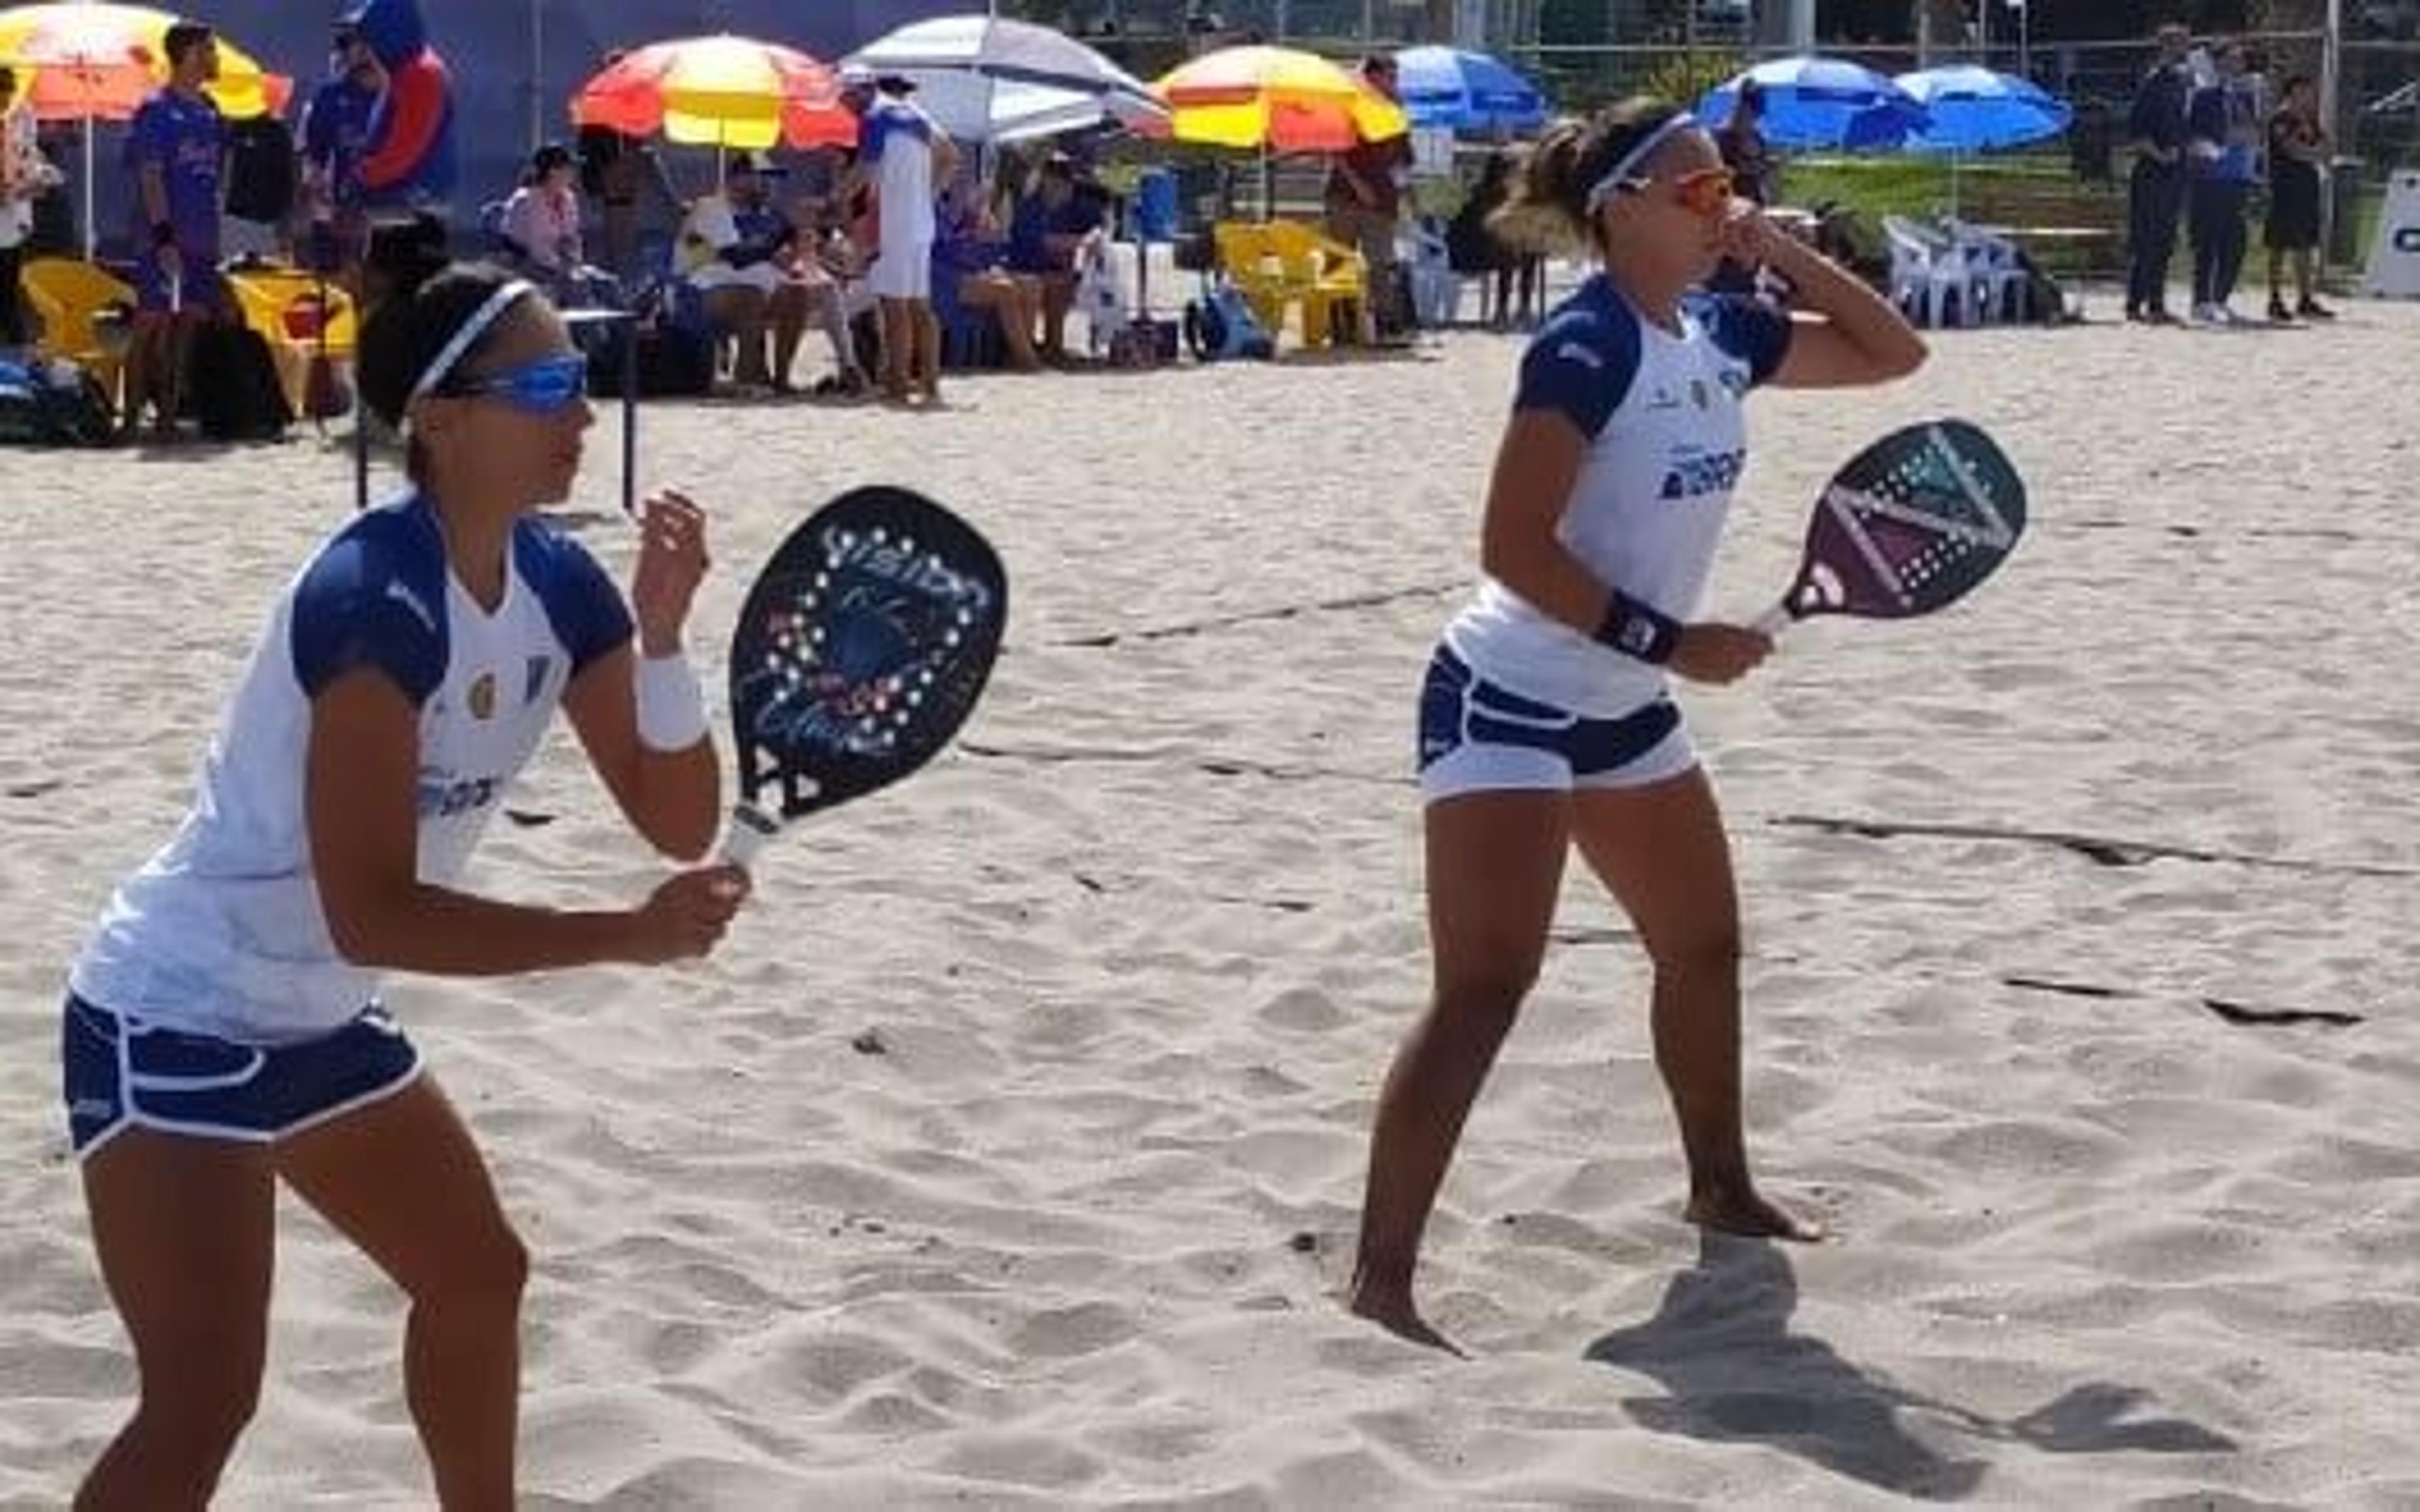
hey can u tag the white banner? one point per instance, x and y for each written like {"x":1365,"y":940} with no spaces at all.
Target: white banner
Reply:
{"x":2395,"y":257}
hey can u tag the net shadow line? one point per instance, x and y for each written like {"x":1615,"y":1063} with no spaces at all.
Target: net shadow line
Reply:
{"x":2100,"y":849}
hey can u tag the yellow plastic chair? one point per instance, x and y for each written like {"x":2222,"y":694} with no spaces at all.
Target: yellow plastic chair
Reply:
{"x":1252,"y":264}
{"x":68,"y":296}
{"x":1326,"y":277}
{"x":282,"y":304}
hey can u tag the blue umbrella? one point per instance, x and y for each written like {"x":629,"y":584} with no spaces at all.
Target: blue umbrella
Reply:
{"x":1976,"y":110}
{"x":1448,"y":88}
{"x":1816,"y":102}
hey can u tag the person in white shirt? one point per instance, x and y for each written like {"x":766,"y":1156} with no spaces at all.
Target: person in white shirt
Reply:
{"x":541,"y":219}
{"x":223,"y":1030}
{"x":908,"y":157}
{"x":1546,"y":722}
{"x":25,"y":176}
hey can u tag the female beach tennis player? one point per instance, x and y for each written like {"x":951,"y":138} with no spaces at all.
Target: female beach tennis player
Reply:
{"x":222,"y":1029}
{"x":1545,"y":720}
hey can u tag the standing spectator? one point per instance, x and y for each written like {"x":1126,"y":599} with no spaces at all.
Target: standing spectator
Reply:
{"x":2156,"y":192}
{"x":1365,"y":190}
{"x":1055,"y":225}
{"x":335,"y":130}
{"x":25,"y":176}
{"x":1744,"y":150}
{"x":2298,"y":145}
{"x":615,"y":170}
{"x":2225,"y":134}
{"x":907,"y":155}
{"x":177,"y":154}
{"x":1473,"y":249}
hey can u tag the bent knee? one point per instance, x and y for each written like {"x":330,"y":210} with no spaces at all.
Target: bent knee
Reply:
{"x":1487,"y":1000}
{"x":490,"y":1274}
{"x":1701,"y":952}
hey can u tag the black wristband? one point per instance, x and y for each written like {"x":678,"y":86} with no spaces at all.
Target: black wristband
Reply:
{"x":163,"y":234}
{"x":1635,"y":629}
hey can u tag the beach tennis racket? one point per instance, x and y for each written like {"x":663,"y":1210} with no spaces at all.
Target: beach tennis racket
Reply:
{"x":1911,"y":525}
{"x":861,"y":648}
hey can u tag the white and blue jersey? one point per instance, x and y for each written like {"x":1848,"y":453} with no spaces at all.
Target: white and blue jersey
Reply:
{"x":221,"y":932}
{"x":1666,"y":446}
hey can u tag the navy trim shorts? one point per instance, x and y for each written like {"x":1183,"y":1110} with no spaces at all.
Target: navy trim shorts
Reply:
{"x":121,"y":1073}
{"x":1477,"y":738}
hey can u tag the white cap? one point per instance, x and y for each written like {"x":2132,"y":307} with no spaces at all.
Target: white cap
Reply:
{"x":856,"y":76}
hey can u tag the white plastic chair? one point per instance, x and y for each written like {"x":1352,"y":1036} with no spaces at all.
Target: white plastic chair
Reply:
{"x":1928,"y":275}
{"x":1436,"y":289}
{"x":1997,"y":279}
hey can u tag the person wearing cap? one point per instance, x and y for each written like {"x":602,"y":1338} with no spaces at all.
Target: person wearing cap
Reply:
{"x":749,"y":259}
{"x":335,"y":134}
{"x":1364,"y":201}
{"x":905,"y":155}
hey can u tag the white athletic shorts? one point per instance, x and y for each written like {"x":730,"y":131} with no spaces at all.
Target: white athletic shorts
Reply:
{"x":1477,"y":737}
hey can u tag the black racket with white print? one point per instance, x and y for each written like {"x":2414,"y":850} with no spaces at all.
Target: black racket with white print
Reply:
{"x":1912,"y":524}
{"x":861,"y":648}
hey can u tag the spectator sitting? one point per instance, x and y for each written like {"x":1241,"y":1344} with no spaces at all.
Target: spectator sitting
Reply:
{"x":1057,"y":224}
{"x":541,"y":222}
{"x":971,"y":252}
{"x":746,"y":258}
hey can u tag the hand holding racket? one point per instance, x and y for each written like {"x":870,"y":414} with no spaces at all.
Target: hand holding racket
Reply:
{"x":1911,"y":525}
{"x":860,"y":650}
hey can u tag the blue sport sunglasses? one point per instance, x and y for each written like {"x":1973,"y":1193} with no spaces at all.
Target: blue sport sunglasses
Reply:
{"x":546,"y":387}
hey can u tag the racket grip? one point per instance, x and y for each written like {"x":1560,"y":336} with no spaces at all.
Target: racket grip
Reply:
{"x":751,"y":827}
{"x":1773,"y":621}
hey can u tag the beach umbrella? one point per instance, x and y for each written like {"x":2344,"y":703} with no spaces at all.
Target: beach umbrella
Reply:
{"x":720,"y":91}
{"x":100,"y":62}
{"x":1972,"y":109}
{"x":1450,"y":89}
{"x":991,"y":78}
{"x":1816,"y":102}
{"x":1275,"y":99}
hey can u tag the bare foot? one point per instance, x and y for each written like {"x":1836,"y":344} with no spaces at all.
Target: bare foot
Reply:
{"x":1393,"y":1311}
{"x":1741,"y":1210}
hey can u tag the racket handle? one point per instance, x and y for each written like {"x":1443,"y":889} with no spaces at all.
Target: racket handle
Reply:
{"x":1773,"y":621}
{"x":751,"y":827}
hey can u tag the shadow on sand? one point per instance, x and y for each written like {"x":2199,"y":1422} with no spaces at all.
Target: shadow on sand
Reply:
{"x":1732,"y":1372}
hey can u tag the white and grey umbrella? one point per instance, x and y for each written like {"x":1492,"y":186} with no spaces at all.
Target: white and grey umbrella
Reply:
{"x":990,"y":79}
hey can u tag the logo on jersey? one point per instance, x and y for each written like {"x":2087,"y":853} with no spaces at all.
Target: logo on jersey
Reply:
{"x":533,"y":677}
{"x":401,"y":595}
{"x":1588,"y":357}
{"x":1694,"y":477}
{"x":1697,"y":395}
{"x":441,"y":800}
{"x":1734,"y":381}
{"x":482,"y":702}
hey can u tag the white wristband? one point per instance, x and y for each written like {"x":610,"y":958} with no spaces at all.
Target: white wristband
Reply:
{"x":671,"y":707}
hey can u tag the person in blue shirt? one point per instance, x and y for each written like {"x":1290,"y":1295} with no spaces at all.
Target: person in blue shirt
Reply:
{"x":1056,"y":221}
{"x":1547,"y":722}
{"x":224,"y":1032}
{"x":2223,"y":123}
{"x":177,"y":155}
{"x":336,"y":135}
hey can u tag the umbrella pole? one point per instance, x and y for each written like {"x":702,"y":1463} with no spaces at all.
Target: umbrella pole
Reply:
{"x":90,"y":241}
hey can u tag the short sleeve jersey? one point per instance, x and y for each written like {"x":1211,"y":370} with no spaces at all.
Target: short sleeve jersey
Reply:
{"x":221,"y":931}
{"x":1666,"y":445}
{"x":186,"y":139}
{"x":897,"y":139}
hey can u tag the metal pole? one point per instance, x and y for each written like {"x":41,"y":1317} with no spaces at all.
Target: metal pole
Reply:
{"x":538,"y":72}
{"x":2331,"y":101}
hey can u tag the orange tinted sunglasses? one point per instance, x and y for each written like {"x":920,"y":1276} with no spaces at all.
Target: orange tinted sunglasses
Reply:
{"x":1704,"y":192}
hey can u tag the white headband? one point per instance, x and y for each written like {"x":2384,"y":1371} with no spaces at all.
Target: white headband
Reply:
{"x":1618,"y":176}
{"x":442,"y":366}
